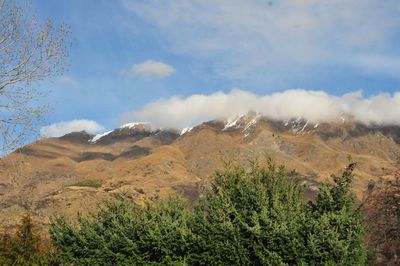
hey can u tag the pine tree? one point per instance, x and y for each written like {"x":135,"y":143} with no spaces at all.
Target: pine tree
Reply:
{"x":124,"y":233}
{"x":251,"y":218}
{"x":248,"y":217}
{"x":336,"y":228}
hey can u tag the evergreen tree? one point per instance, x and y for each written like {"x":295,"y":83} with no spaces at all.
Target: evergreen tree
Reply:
{"x":336,"y":228}
{"x":251,"y":218}
{"x":248,"y":217}
{"x":125,"y":233}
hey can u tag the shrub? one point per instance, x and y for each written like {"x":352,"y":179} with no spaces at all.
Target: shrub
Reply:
{"x":248,"y":217}
{"x":88,"y":183}
{"x":126,"y":234}
{"x":25,"y":246}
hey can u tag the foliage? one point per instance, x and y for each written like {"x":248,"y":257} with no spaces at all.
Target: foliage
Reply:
{"x":251,"y":218}
{"x":88,"y":183}
{"x":127,"y":234}
{"x":336,"y":228}
{"x":248,"y":217}
{"x":25,"y":247}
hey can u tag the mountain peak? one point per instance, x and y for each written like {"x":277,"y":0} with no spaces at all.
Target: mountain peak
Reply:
{"x":137,"y":125}
{"x":128,"y":129}
{"x":245,"y":122}
{"x":299,"y":125}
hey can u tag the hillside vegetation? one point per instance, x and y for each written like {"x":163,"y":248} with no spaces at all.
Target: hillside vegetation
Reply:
{"x":248,"y":217}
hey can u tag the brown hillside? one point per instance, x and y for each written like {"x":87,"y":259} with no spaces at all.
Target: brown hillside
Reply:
{"x":72,"y":173}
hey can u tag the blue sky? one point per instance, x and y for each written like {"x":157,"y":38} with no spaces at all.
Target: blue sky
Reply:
{"x":129,"y":56}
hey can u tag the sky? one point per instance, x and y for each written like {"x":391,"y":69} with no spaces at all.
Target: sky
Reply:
{"x":180,"y":62}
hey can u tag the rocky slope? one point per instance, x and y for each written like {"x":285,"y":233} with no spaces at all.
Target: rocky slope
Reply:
{"x":77,"y":171}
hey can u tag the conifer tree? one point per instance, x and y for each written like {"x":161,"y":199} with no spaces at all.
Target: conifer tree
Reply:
{"x":250,"y":216}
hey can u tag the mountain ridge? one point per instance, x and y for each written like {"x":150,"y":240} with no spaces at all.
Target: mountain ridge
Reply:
{"x":71,"y":173}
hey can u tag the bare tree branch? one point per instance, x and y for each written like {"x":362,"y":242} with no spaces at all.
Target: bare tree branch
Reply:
{"x":30,"y":51}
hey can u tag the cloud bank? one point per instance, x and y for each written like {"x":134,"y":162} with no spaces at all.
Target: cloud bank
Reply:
{"x":239,"y":38}
{"x":61,"y":128}
{"x":151,"y":68}
{"x":316,"y":106}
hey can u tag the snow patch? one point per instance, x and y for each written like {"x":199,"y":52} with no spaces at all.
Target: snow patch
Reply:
{"x":252,"y":122}
{"x":186,"y":130}
{"x":99,"y":136}
{"x":304,"y":127}
{"x":299,"y":125}
{"x":245,"y":121}
{"x":135,"y":124}
{"x":232,"y":122}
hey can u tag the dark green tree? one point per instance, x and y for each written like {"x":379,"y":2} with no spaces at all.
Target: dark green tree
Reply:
{"x":251,"y":217}
{"x":248,"y":217}
{"x":336,"y":227}
{"x":125,"y":233}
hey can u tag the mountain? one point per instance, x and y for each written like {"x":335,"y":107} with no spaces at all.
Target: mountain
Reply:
{"x":77,"y":171}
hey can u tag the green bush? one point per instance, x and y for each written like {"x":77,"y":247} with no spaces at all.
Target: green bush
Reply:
{"x":248,"y":217}
{"x":88,"y":183}
{"x":127,"y":234}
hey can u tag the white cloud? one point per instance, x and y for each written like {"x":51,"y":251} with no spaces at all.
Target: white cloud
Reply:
{"x":151,"y":68}
{"x":65,"y":127}
{"x":316,"y":106}
{"x":239,"y":38}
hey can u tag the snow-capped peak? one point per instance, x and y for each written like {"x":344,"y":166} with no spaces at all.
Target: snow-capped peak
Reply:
{"x":99,"y":136}
{"x":300,"y":126}
{"x":135,"y":124}
{"x":231,"y":122}
{"x":186,"y":130}
{"x":246,"y":122}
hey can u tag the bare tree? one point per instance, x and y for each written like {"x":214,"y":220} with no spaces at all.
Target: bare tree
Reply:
{"x":30,"y":51}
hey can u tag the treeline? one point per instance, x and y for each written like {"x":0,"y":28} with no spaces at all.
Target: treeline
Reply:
{"x":248,"y":217}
